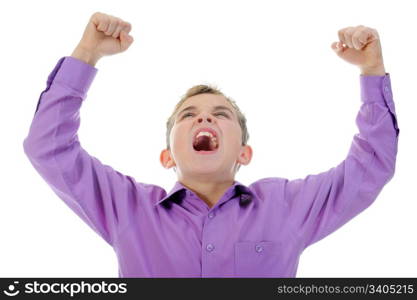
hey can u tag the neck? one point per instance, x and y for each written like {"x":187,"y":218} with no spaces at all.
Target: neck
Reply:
{"x":209,"y":191}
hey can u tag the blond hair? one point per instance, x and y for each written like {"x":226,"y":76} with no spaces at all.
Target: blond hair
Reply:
{"x":209,"y":89}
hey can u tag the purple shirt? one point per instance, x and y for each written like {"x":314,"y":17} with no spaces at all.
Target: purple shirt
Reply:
{"x":258,"y":230}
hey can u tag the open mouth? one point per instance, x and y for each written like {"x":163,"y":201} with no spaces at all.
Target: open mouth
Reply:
{"x":205,"y":142}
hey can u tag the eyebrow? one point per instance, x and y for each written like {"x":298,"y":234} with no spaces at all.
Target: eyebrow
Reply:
{"x":218,"y":107}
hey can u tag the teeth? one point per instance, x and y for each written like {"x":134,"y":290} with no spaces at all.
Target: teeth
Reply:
{"x":214,"y":141}
{"x":206,"y":133}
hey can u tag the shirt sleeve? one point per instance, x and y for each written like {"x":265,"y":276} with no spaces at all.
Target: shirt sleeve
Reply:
{"x":87,"y":186}
{"x":321,"y":203}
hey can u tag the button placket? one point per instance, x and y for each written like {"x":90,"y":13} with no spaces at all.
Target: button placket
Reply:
{"x":210,"y":244}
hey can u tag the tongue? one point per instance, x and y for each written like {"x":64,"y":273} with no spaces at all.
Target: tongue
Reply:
{"x":203,"y":143}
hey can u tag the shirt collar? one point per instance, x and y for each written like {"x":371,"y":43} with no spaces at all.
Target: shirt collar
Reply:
{"x":179,"y":191}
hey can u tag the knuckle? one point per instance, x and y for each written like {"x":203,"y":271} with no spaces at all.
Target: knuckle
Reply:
{"x":115,"y":23}
{"x":97,"y":17}
{"x":108,"y":22}
{"x":342,"y":32}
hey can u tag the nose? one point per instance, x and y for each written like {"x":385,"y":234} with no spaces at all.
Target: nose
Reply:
{"x":200,"y":119}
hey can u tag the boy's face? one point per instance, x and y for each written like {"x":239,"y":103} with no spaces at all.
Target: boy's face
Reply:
{"x":213,"y":112}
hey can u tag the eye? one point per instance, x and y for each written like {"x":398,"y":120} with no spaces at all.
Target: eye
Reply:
{"x":187,"y":114}
{"x":223,"y":114}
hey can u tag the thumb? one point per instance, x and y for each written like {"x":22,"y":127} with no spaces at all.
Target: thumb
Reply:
{"x":125,"y":40}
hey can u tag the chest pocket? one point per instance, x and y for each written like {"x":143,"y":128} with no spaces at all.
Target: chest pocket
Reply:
{"x":258,"y":259}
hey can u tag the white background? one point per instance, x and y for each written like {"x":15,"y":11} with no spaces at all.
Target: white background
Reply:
{"x":272,"y":57}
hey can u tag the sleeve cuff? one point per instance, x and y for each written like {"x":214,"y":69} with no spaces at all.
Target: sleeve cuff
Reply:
{"x":74,"y":73}
{"x":375,"y":88}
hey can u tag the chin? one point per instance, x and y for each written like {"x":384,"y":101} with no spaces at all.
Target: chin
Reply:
{"x":206,"y":168}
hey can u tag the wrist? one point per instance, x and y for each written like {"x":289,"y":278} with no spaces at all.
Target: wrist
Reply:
{"x":375,"y":71}
{"x":85,"y":55}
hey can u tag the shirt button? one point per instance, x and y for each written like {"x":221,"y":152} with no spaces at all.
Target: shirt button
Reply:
{"x":386,"y":88}
{"x":245,"y":198}
{"x":259,"y":248}
{"x":211,"y":215}
{"x":209,"y":247}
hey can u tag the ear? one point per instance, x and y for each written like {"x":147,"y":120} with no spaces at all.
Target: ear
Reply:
{"x":245,"y":155}
{"x":166,"y":159}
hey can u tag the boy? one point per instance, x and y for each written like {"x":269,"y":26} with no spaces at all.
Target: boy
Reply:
{"x":209,"y":225}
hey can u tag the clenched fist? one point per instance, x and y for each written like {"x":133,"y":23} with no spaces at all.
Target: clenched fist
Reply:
{"x":104,"y":35}
{"x":361,"y":46}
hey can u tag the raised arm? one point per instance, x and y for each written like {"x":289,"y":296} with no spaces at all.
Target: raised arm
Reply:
{"x":86,"y":185}
{"x":319,"y":204}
